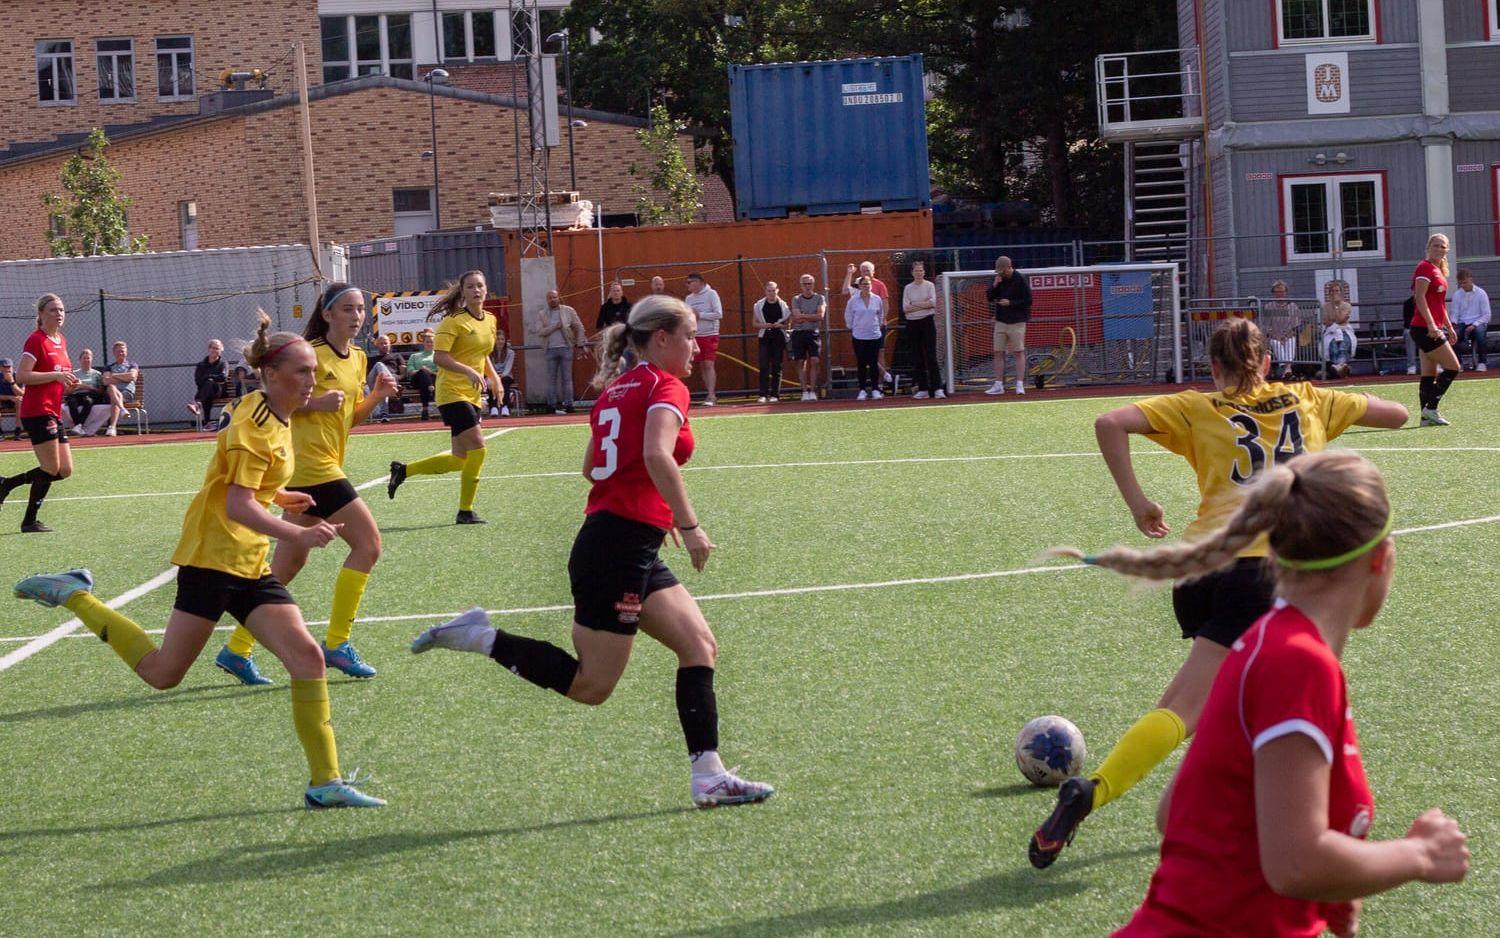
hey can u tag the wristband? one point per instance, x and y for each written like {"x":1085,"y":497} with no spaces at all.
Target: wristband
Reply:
{"x":688,"y":527}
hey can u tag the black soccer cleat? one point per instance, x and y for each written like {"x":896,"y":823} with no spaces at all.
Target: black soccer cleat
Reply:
{"x":1075,"y":799}
{"x":398,"y":475}
{"x":468,"y":517}
{"x":34,"y":527}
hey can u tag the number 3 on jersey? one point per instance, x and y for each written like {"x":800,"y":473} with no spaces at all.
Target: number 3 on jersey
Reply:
{"x":610,"y":420}
{"x":1288,"y":445}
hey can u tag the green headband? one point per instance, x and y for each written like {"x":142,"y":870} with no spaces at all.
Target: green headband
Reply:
{"x":1328,"y":563}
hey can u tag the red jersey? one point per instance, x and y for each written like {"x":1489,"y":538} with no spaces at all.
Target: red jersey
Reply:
{"x":622,"y":486}
{"x":1437,"y":295}
{"x":49,"y":355}
{"x":1280,"y":678}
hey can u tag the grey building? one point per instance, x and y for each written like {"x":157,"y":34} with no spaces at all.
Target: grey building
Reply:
{"x":1312,"y":141}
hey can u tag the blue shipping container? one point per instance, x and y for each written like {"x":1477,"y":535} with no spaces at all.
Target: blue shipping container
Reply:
{"x":829,"y":137}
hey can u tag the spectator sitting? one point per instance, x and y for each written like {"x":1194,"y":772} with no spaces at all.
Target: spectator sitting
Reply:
{"x":119,"y":384}
{"x":421,"y":373}
{"x":613,"y":310}
{"x":1281,"y":320}
{"x":211,"y":378}
{"x":505,"y":362}
{"x":10,"y":397}
{"x":90,"y":391}
{"x":1338,"y":334}
{"x":242,"y":381}
{"x":385,"y":361}
{"x":1471,"y":317}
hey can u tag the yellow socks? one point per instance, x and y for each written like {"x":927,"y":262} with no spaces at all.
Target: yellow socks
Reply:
{"x":1150,"y":740}
{"x":348,"y":590}
{"x":127,"y":639}
{"x":436,"y":465}
{"x":468,"y":484}
{"x":241,"y":642}
{"x":313,"y":720}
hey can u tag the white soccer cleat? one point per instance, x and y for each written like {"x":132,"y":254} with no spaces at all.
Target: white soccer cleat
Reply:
{"x":996,"y":389}
{"x":1431,"y":418}
{"x":468,"y":631}
{"x":727,"y":788}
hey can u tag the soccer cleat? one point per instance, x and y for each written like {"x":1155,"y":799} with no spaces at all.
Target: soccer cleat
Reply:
{"x":240,"y":667}
{"x":54,"y":589}
{"x":727,"y":788}
{"x":996,"y":389}
{"x":1431,"y":418}
{"x":468,"y":631}
{"x":34,"y":527}
{"x":398,"y":475}
{"x":344,"y":658}
{"x":1075,"y":799}
{"x":339,"y":794}
{"x":468,"y":517}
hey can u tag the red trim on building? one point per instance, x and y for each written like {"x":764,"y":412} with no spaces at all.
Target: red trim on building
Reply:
{"x":1495,"y":201}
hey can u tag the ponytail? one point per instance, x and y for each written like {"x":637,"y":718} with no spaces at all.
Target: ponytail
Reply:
{"x":622,"y":342}
{"x":260,"y":351}
{"x":614,"y":342}
{"x":1238,"y":347}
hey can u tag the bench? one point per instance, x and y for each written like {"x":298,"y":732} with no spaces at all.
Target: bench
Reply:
{"x":137,"y":407}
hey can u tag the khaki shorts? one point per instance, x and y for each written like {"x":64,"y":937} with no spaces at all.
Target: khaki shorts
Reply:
{"x":1010,"y":337}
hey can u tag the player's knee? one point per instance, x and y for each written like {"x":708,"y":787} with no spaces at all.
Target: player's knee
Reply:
{"x":304,"y":659}
{"x":591,"y":693}
{"x":700,"y":651}
{"x":62,"y":472}
{"x":367,"y":553}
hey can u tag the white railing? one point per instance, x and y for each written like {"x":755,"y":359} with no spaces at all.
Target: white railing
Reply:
{"x":1148,"y":95}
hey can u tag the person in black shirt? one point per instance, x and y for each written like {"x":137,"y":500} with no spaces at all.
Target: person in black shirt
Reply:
{"x":771,"y":320}
{"x":1010,"y":300}
{"x":211,"y":377}
{"x":613,"y":310}
{"x":395,"y":366}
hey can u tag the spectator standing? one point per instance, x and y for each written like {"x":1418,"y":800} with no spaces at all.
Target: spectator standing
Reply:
{"x":1010,"y":300}
{"x":614,"y":309}
{"x":90,"y":391}
{"x":658,"y":286}
{"x":10,"y":397}
{"x":562,"y":336}
{"x":385,"y":363}
{"x":877,"y":287}
{"x":771,"y":321}
{"x":1471,"y":317}
{"x":1281,"y":320}
{"x":211,"y":378}
{"x":919,"y":303}
{"x":421,"y":373}
{"x":808,"y":310}
{"x":1338,"y":333}
{"x":703,"y":300}
{"x":119,"y":384}
{"x":864,"y":315}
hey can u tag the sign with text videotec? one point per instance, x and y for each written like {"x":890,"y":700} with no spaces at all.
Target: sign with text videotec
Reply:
{"x":403,"y":316}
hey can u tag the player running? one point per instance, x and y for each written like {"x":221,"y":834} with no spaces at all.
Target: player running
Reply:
{"x":47,"y":374}
{"x":1264,"y":824}
{"x":320,"y":433}
{"x":640,"y":438}
{"x":1230,"y":437}
{"x":221,"y":559}
{"x":461,"y":351}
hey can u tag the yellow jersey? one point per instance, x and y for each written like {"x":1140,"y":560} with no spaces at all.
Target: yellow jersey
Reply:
{"x":319,"y":436}
{"x":254,"y":451}
{"x":1230,"y":439}
{"x":470,"y":341}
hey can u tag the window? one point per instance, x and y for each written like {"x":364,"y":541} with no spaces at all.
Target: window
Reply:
{"x":116,"y":61}
{"x":174,"y":68}
{"x":1328,"y":216}
{"x":470,"y":35}
{"x":1492,"y":20}
{"x":413,"y":211}
{"x":366,"y":45}
{"x":187,"y":225}
{"x":1305,"y":21}
{"x":54,"y":71}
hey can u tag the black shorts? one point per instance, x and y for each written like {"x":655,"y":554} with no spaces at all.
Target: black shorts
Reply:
{"x":805,"y":344}
{"x":329,"y":498}
{"x":44,"y":429}
{"x":459,"y":416}
{"x":1222,"y":605}
{"x":614,"y":566}
{"x":209,"y":594}
{"x":1424,"y":340}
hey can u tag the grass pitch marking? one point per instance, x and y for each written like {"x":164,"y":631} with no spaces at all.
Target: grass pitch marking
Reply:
{"x":42,"y":642}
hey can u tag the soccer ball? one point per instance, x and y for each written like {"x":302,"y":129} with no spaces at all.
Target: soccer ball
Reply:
{"x":1049,"y":751}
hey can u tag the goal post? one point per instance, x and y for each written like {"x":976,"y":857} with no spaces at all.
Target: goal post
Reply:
{"x":1101,"y":323}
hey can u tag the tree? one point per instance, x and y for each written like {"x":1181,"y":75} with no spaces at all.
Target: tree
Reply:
{"x":666,"y":172}
{"x":90,"y":217}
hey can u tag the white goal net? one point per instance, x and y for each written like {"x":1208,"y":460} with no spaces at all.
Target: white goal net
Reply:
{"x":1106,"y":323}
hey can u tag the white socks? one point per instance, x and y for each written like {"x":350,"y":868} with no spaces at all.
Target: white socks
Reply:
{"x":707,"y":763}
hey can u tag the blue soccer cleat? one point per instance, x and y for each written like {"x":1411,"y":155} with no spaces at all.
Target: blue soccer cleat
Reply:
{"x":344,"y":658}
{"x":54,"y":589}
{"x":339,"y":794}
{"x":241,"y":667}
{"x":468,"y":631}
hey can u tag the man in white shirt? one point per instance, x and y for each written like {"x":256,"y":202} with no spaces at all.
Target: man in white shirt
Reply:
{"x":1470,"y":309}
{"x":919,"y":303}
{"x":703,"y":300}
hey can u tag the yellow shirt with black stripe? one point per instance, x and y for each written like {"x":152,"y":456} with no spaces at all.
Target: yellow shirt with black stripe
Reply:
{"x":320,"y":436}
{"x":254,"y":451}
{"x":470,"y":341}
{"x":1231,"y":439}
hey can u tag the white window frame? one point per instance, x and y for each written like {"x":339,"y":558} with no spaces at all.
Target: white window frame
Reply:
{"x":1493,"y":21}
{"x":1330,"y":183}
{"x":53,"y":59}
{"x":351,"y":65}
{"x":113,"y":56}
{"x":1325,"y":39}
{"x":429,"y":214}
{"x":497,"y":16}
{"x":192,"y":63}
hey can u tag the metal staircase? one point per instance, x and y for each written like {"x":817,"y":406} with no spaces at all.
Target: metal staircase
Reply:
{"x":1158,"y":180}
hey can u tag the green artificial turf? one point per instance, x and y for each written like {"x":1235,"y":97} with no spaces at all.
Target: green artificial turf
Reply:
{"x":884,"y":714}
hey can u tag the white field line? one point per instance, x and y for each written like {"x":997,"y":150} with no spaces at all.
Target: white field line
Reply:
{"x":802,"y":590}
{"x":42,"y":642}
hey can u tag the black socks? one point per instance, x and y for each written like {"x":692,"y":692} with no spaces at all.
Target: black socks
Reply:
{"x":1443,"y":380}
{"x":1424,"y":392}
{"x":697,"y":708}
{"x":541,"y":663}
{"x":41,"y":481}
